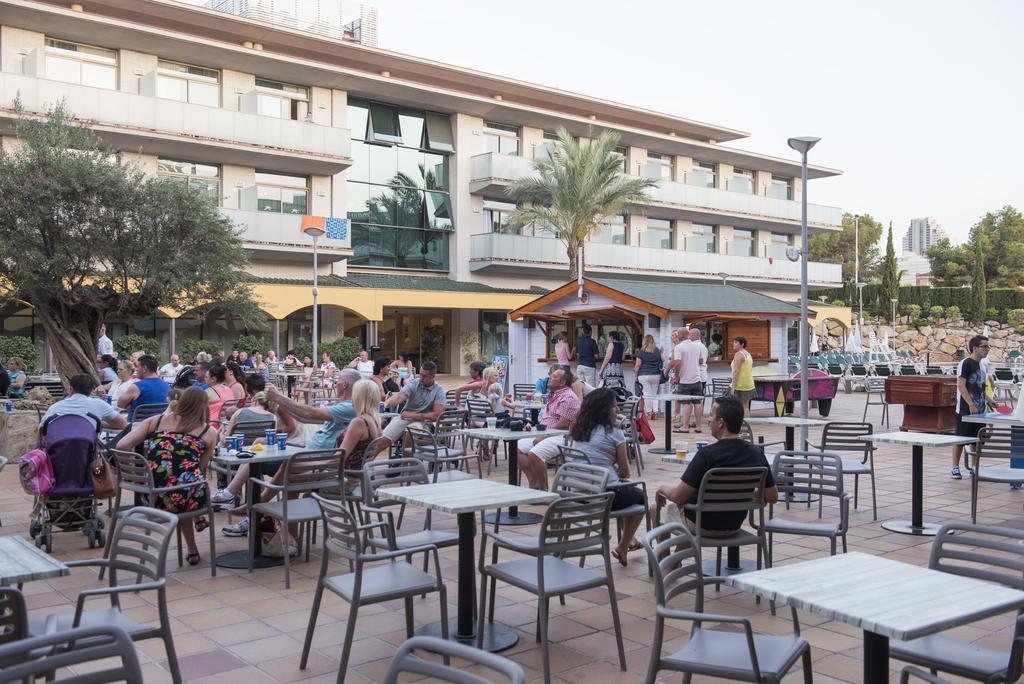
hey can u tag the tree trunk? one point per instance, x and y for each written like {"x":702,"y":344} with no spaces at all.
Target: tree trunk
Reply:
{"x":573,"y":255}
{"x":69,"y":332}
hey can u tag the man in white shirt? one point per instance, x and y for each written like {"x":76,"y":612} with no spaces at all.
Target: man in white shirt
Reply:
{"x":104,"y":345}
{"x":170,"y":370}
{"x":79,"y":403}
{"x":695,"y":337}
{"x":688,"y":357}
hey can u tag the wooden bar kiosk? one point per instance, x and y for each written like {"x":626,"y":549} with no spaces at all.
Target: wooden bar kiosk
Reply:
{"x":929,"y":401}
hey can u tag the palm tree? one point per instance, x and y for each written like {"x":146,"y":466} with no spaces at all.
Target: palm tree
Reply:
{"x":577,"y":186}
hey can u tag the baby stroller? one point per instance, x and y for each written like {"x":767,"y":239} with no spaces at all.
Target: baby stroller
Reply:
{"x":70,"y":445}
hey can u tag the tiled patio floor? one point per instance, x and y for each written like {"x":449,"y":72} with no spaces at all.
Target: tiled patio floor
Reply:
{"x":243,"y":627}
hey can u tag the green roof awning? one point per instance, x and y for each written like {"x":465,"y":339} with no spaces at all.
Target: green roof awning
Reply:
{"x":700,"y":297}
{"x":398,"y":282}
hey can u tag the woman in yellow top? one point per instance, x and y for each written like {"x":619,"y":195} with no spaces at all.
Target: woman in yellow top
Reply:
{"x":742,"y":373}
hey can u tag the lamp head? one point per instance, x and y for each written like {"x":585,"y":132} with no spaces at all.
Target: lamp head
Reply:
{"x":724,"y":276}
{"x":313,"y":231}
{"x":803,"y":144}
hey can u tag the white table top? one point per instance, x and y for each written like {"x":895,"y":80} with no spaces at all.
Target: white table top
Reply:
{"x":880,"y":595}
{"x":788,"y":421}
{"x":532,"y":405}
{"x":230,"y":458}
{"x":21,"y":561}
{"x":507,"y":435}
{"x":467,"y":496}
{"x":993,"y":418}
{"x":675,"y":397}
{"x":924,"y":439}
{"x":668,"y":458}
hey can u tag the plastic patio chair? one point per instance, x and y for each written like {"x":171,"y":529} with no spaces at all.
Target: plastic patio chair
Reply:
{"x":72,"y":649}
{"x":845,"y":437}
{"x":405,"y":662}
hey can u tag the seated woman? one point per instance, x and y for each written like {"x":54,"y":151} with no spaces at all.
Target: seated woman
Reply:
{"x":477,"y":383}
{"x":107,"y":367}
{"x":180,"y":446}
{"x":594,"y":433}
{"x":16,"y":370}
{"x":122,"y":381}
{"x":382,"y":377}
{"x":406,"y":371}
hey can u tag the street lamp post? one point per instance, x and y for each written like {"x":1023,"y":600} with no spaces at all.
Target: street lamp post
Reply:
{"x":856,"y":251}
{"x":860,"y":300}
{"x":803,"y":146}
{"x":315,"y":233}
{"x":894,"y":315}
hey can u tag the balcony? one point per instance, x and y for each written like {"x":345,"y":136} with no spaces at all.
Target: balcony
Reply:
{"x":490,"y":173}
{"x":181,"y":129}
{"x":277,"y":237}
{"x":514,"y":254}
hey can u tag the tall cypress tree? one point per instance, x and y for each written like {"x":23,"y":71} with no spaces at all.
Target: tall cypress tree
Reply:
{"x":978,"y":297}
{"x":890,"y":273}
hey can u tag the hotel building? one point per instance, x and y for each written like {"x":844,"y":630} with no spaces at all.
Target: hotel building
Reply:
{"x":274,"y":122}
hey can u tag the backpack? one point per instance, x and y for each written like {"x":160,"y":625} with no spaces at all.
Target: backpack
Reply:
{"x":35,"y":472}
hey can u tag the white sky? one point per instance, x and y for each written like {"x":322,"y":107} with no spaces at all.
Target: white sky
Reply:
{"x":919,"y":102}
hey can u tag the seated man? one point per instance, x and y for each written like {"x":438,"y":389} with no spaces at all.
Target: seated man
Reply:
{"x":79,"y":403}
{"x":424,"y":400}
{"x":728,"y":452}
{"x":559,"y":414}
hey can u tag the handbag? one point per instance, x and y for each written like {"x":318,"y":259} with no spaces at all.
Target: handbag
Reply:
{"x":643,"y":428}
{"x":104,"y":479}
{"x":272,"y":535}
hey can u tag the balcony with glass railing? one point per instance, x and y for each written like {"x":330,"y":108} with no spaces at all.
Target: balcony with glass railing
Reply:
{"x":200,"y":132}
{"x":543,"y":256}
{"x":277,"y":235}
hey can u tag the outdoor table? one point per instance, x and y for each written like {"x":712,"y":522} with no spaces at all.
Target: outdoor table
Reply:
{"x":883,"y":597}
{"x":509,"y":437}
{"x":534,"y":407}
{"x":239,"y":560}
{"x":791,"y":423}
{"x":464,"y":498}
{"x":1016,"y":426}
{"x":918,"y":441}
{"x":22,"y":562}
{"x":668,"y":399}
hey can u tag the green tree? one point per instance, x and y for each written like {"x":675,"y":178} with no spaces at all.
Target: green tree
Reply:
{"x":839,"y":247}
{"x":576,"y":187}
{"x":1001,"y":235}
{"x":979,"y":299}
{"x":951,"y":265}
{"x":890,"y":271}
{"x":86,"y":237}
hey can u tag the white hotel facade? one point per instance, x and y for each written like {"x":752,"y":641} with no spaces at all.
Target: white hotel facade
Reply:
{"x":274,"y":122}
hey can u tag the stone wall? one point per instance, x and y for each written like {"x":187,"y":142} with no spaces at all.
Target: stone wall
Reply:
{"x":939,"y":340}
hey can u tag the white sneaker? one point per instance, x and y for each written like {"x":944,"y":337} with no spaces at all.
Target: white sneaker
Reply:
{"x":239,"y":529}
{"x":223,"y":497}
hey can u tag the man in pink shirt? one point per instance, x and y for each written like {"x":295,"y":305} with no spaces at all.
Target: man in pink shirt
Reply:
{"x":689,"y":356}
{"x":559,"y":414}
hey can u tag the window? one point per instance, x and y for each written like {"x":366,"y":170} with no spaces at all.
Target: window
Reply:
{"x":659,"y":166}
{"x":395,"y":247}
{"x":742,"y":181}
{"x":612,"y":231}
{"x":781,"y":188}
{"x":496,"y":216}
{"x":383,"y":124}
{"x":743,"y":243}
{"x":658,"y":234}
{"x":187,"y":83}
{"x":282,"y":100}
{"x":501,"y":138}
{"x":81,"y":64}
{"x":493,"y":333}
{"x":439,"y":133}
{"x":777,"y":246}
{"x":203,"y":178}
{"x":624,"y":153}
{"x":702,"y":174}
{"x":282,"y":193}
{"x":702,"y":239}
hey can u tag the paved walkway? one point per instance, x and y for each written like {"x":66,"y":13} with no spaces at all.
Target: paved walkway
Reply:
{"x":247,"y":627}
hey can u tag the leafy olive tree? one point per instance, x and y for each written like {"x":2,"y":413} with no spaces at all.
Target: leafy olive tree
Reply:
{"x":86,"y":237}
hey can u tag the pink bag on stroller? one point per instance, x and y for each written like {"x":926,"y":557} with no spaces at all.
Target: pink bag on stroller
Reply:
{"x":35,"y":473}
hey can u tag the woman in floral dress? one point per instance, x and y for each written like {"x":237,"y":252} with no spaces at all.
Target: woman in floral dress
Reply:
{"x":179,"y":446}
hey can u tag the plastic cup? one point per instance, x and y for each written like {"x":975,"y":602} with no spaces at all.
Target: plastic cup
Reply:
{"x":682,"y":449}
{"x":492,"y":423}
{"x":270,"y":438}
{"x":282,"y":440}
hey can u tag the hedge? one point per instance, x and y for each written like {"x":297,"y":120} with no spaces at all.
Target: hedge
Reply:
{"x":126,"y":345}
{"x":21,"y":347}
{"x":342,"y":350}
{"x":188,"y":349}
{"x":999,"y":300}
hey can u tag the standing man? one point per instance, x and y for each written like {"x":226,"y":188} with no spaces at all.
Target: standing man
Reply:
{"x":148,"y":389}
{"x":586,"y":352}
{"x":104,"y":345}
{"x":170,"y":370}
{"x":695,"y":337}
{"x":558,"y":414}
{"x":424,"y":400}
{"x":970,"y":389}
{"x":688,"y":357}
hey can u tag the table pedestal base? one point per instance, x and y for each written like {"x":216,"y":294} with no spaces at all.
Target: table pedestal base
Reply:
{"x":876,"y":658}
{"x":661,"y":451}
{"x":497,"y":637}
{"x":239,"y":560}
{"x":727,"y":568}
{"x":518,"y":519}
{"x":800,"y":497}
{"x":908,"y":527}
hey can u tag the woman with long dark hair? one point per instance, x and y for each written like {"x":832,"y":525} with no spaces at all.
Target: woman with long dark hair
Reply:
{"x":594,"y":433}
{"x":611,"y":366}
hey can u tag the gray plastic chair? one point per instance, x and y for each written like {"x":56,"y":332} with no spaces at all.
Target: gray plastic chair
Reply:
{"x":144,"y":411}
{"x":571,"y":526}
{"x":453,"y":445}
{"x":874,"y":389}
{"x":996,"y":444}
{"x":13,"y":621}
{"x":392,"y":579}
{"x":71,"y":649}
{"x":139,"y":550}
{"x":838,"y":437}
{"x":743,"y":656}
{"x":437,"y":456}
{"x":405,"y":662}
{"x":910,"y":671}
{"x":991,"y":554}
{"x":804,"y":472}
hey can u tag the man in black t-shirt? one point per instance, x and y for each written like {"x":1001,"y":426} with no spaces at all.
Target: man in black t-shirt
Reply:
{"x":728,"y":452}
{"x":586,"y":352}
{"x":970,"y":389}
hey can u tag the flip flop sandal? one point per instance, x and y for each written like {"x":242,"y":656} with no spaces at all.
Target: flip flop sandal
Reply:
{"x":201,"y":524}
{"x":682,"y":431}
{"x":634,"y":546}
{"x":622,"y":559}
{"x":193,"y":558}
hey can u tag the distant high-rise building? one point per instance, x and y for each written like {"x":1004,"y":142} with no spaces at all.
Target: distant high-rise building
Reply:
{"x":335,"y":18}
{"x":922,"y":234}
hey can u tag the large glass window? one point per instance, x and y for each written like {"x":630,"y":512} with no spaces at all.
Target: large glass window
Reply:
{"x":187,"y":83}
{"x":778,"y":245}
{"x":612,"y":231}
{"x":659,"y":166}
{"x":82,"y":64}
{"x":496,"y":216}
{"x":203,"y":178}
{"x":702,"y":174}
{"x":501,"y":138}
{"x":742,"y":243}
{"x":282,"y":193}
{"x":399,"y":180}
{"x":493,"y":334}
{"x":282,"y":100}
{"x":742,"y":181}
{"x":624,"y":153}
{"x":702,"y":239}
{"x":781,"y":188}
{"x":658,"y":234}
